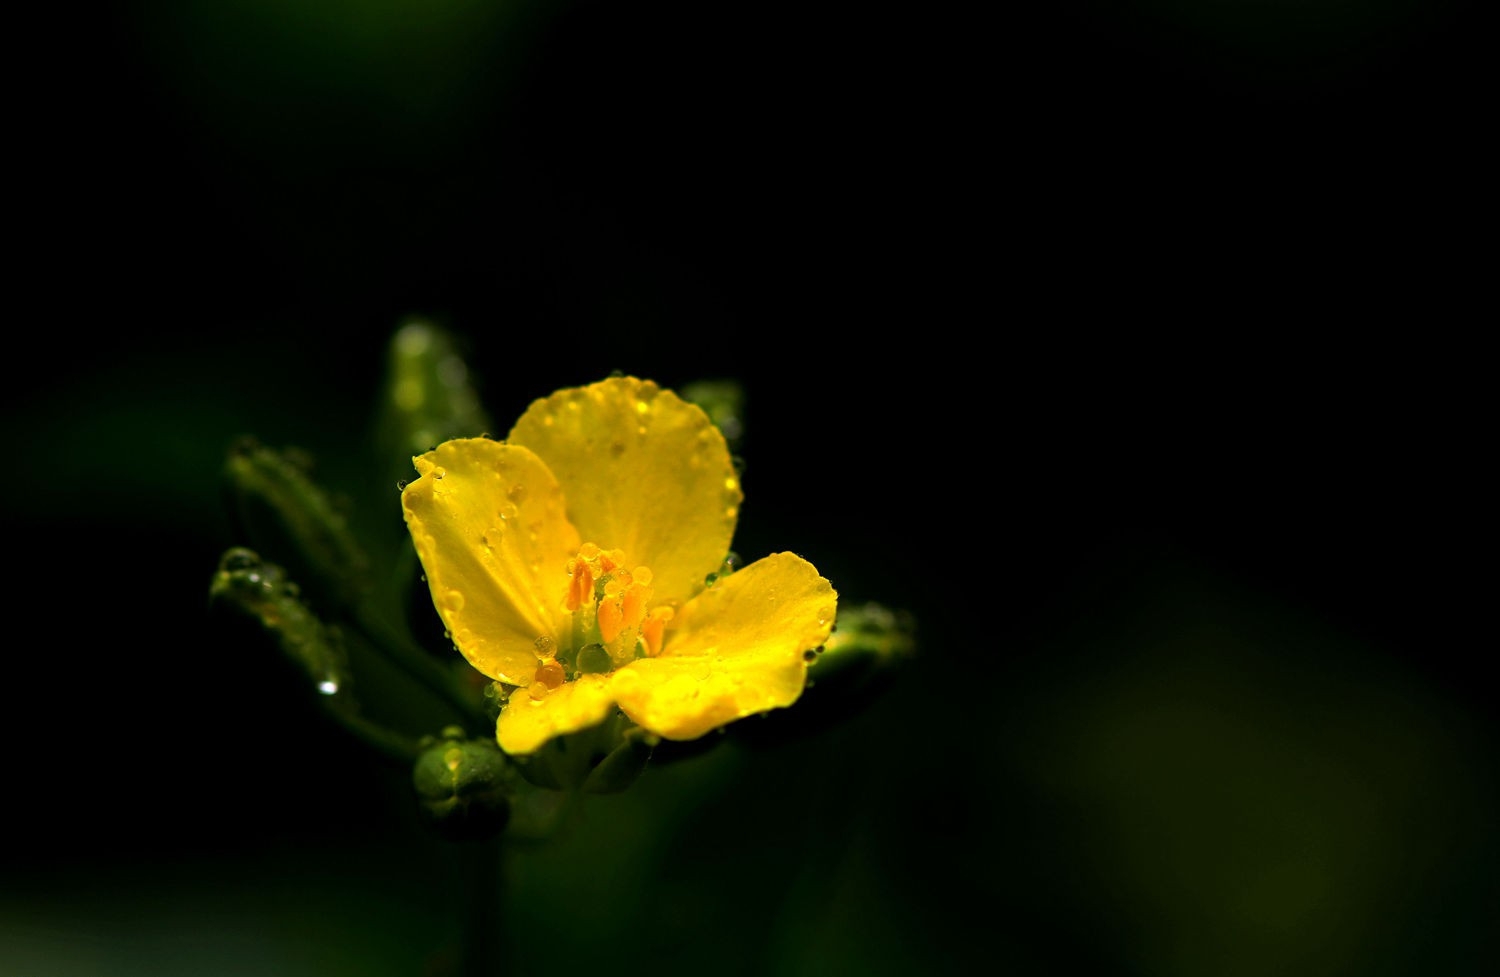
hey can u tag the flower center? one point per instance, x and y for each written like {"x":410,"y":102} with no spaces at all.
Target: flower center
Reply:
{"x":613,"y":622}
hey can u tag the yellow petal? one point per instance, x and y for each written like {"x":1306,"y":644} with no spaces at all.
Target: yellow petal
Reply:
{"x":643,"y":471}
{"x":527,"y":723}
{"x":735,"y":650}
{"x":487,"y":520}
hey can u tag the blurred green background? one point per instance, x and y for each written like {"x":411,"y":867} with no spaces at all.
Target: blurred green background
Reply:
{"x":1111,"y":342}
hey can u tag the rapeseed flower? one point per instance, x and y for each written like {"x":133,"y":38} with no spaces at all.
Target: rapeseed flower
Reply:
{"x":577,"y":563}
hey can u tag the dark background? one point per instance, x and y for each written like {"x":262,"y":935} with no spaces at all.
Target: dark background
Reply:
{"x":1122,"y":344}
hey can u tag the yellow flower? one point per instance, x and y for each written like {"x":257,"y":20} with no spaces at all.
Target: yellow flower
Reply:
{"x":571,"y":561}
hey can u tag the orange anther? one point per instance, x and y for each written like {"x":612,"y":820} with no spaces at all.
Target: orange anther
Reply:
{"x":653,"y":628}
{"x":633,"y":604}
{"x":611,"y":620}
{"x":580,"y":587}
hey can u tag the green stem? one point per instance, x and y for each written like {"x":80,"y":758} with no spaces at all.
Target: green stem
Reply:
{"x":484,"y":934}
{"x":389,"y":743}
{"x":414,"y":661}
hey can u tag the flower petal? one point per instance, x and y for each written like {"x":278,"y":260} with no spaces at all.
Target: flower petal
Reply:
{"x":643,"y":471}
{"x":526,"y":723}
{"x":737,"y":649}
{"x":487,"y":520}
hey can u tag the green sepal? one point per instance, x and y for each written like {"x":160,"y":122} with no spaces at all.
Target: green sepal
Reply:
{"x":282,"y":511}
{"x":603,"y":759}
{"x":620,"y":768}
{"x":463,"y":786}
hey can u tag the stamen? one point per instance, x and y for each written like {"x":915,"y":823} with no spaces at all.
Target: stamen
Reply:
{"x":653,"y":628}
{"x":611,"y":607}
{"x":611,"y":619}
{"x":580,"y":584}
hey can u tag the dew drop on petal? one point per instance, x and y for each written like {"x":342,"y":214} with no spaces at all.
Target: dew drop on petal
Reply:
{"x":439,"y":472}
{"x":455,"y":601}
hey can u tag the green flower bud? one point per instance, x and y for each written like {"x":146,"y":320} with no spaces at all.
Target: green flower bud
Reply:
{"x":260,"y":590}
{"x":282,"y":511}
{"x":868,"y":641}
{"x":724,"y":403}
{"x":429,"y":397}
{"x":861,"y":658}
{"x":463,"y":786}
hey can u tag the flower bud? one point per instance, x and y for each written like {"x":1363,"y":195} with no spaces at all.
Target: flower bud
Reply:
{"x":868,"y":641}
{"x":463,"y":786}
{"x":429,"y":397}
{"x":282,"y":511}
{"x":724,"y":403}
{"x":260,"y":590}
{"x":862,"y":656}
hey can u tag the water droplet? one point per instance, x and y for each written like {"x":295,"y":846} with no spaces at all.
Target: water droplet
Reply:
{"x":439,"y":472}
{"x":239,"y":558}
{"x":328,"y":686}
{"x":517,"y":493}
{"x":508,"y":511}
{"x":400,"y":485}
{"x":809,"y":655}
{"x":455,"y":601}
